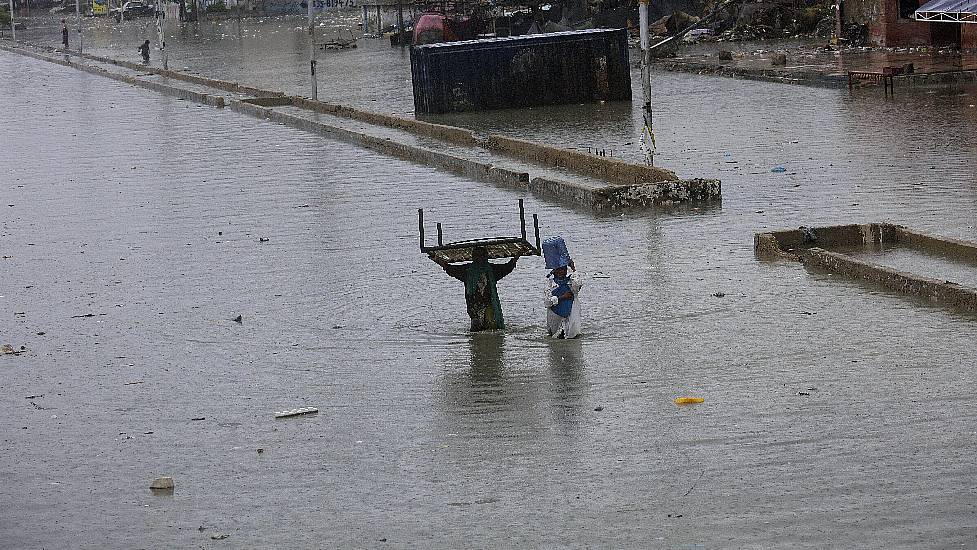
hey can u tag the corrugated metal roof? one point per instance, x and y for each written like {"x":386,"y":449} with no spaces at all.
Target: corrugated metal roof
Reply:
{"x":951,"y":11}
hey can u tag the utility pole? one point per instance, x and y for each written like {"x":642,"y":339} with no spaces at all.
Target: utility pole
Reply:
{"x":13,"y":26}
{"x":400,"y":23}
{"x":161,"y":36}
{"x":315,"y":81}
{"x":643,"y":24}
{"x":78,"y":24}
{"x":647,"y":131}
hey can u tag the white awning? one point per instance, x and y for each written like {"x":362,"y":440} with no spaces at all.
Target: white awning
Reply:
{"x":951,"y":11}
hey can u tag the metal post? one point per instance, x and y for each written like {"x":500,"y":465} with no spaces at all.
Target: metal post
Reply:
{"x":78,"y":24}
{"x":312,"y":53}
{"x":440,"y":235}
{"x":643,"y":23}
{"x":536,"y":227}
{"x":161,"y":36}
{"x":420,"y":226}
{"x":647,"y":132}
{"x":838,"y":29}
{"x":522,"y":219}
{"x":13,"y":26}
{"x":400,"y":23}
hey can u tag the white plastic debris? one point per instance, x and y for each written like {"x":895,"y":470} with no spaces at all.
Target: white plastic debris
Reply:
{"x":296,"y":412}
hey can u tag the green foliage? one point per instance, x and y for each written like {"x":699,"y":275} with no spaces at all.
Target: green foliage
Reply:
{"x":4,"y":17}
{"x":217,"y":7}
{"x":808,"y":18}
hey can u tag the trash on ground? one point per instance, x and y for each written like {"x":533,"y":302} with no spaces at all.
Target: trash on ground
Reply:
{"x":220,"y":537}
{"x":162,"y":483}
{"x":7,"y":349}
{"x":778,"y":169}
{"x":688,"y":400}
{"x":238,"y":319}
{"x":296,"y":412}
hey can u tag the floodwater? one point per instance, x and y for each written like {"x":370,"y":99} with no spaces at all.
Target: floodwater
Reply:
{"x":836,"y":414}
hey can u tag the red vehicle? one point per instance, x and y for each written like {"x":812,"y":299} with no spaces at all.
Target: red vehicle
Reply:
{"x":431,"y":28}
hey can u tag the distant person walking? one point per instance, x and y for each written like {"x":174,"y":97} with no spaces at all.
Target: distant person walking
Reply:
{"x":144,"y":50}
{"x":64,"y":33}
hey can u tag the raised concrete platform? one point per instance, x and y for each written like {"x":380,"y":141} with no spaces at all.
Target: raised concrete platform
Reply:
{"x":810,"y":247}
{"x":582,"y":180}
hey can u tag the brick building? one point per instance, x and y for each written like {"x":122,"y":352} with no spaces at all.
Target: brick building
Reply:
{"x":895,"y":23}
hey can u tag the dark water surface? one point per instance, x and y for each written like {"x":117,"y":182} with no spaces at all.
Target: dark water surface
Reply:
{"x":146,"y":212}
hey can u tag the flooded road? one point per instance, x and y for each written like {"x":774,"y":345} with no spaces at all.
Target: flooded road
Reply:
{"x":146,"y":212}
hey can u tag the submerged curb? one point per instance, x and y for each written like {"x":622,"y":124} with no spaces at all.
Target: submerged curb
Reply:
{"x":627,"y":185}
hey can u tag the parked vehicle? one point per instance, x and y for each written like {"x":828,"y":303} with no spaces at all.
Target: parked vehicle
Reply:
{"x":99,"y":8}
{"x":134,"y":8}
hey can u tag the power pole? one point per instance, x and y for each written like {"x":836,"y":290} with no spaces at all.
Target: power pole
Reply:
{"x":13,"y":26}
{"x":400,"y":23}
{"x":78,"y":24}
{"x":161,"y":36}
{"x":315,"y":81}
{"x":647,"y":132}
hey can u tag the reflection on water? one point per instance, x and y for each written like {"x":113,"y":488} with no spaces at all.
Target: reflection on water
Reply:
{"x":499,"y":384}
{"x":567,"y":381}
{"x":486,"y":351}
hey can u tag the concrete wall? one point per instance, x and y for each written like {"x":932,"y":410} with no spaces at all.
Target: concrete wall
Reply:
{"x":621,"y":197}
{"x":964,"y":251}
{"x":450,"y":134}
{"x":808,"y":247}
{"x":206,"y":99}
{"x":639,"y":185}
{"x":946,"y":293}
{"x":605,"y":168}
{"x":475,"y":170}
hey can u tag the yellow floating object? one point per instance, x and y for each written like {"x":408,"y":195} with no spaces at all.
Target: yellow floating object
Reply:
{"x":688,"y":400}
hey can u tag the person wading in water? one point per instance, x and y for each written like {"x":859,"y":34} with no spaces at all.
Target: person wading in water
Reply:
{"x":480,"y":278}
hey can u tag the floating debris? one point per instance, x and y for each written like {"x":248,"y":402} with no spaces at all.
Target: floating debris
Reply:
{"x":296,"y":412}
{"x":688,"y":400}
{"x":164,"y":483}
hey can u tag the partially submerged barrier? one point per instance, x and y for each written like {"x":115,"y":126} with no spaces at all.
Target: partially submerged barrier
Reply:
{"x":609,"y":169}
{"x":621,"y":184}
{"x":473,"y":169}
{"x":618,"y":197}
{"x":199,"y":97}
{"x":809,"y":246}
{"x":452,"y":134}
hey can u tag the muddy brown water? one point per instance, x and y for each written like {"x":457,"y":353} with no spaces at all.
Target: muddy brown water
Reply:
{"x":146,"y":212}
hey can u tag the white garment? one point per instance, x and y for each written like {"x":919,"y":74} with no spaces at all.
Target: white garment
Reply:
{"x":569,"y":327}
